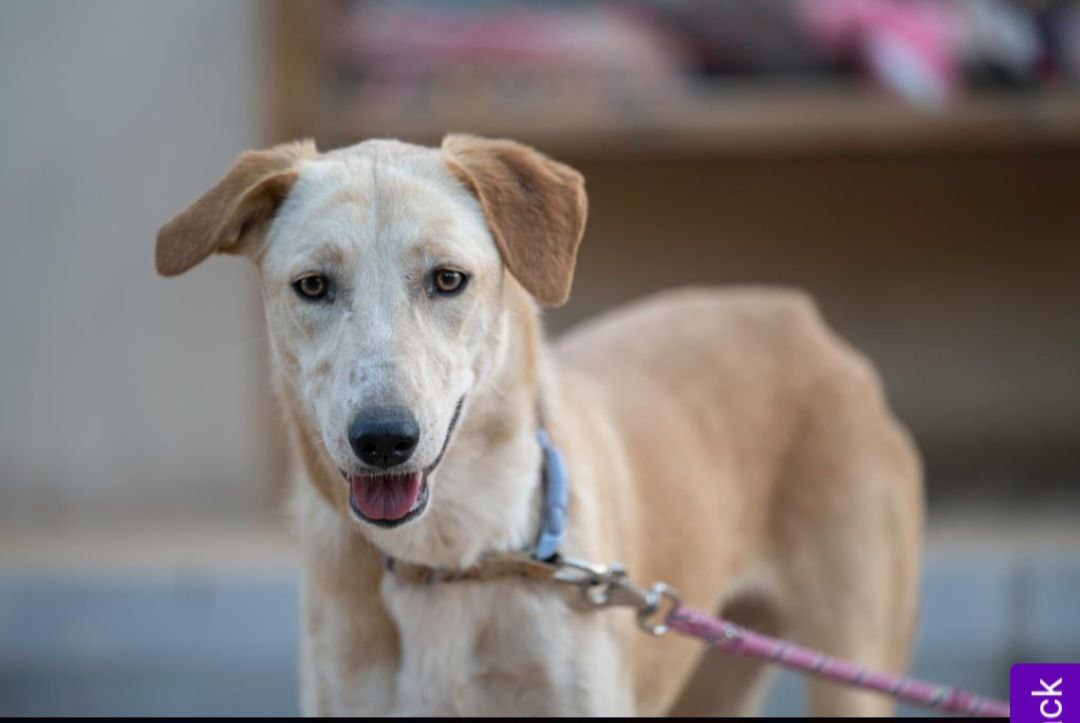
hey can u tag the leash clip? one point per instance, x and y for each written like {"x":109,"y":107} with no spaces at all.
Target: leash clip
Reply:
{"x":606,"y":586}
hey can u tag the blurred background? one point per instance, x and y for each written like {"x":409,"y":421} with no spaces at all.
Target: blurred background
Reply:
{"x":914,"y":165}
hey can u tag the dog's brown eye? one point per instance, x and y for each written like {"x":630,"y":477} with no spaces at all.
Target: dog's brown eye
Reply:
{"x":449,"y":281}
{"x":312,"y":287}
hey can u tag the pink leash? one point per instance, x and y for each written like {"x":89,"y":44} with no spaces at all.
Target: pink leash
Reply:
{"x":607,"y":586}
{"x":659,"y":610}
{"x":731,"y":638}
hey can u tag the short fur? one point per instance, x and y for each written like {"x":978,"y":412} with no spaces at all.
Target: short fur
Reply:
{"x":723,"y":441}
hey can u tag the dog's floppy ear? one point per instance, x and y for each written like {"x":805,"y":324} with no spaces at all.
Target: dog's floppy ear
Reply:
{"x":535,"y":208}
{"x":232,"y":215}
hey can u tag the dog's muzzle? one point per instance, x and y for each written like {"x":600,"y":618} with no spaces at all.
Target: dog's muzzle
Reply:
{"x":386,"y":438}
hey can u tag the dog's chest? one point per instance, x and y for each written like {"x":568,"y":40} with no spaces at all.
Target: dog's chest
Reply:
{"x":481,"y":648}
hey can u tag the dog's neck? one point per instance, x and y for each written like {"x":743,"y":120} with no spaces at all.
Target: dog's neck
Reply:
{"x":485,"y":494}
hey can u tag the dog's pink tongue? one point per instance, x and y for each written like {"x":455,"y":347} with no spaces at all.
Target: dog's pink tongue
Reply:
{"x":386,"y":497}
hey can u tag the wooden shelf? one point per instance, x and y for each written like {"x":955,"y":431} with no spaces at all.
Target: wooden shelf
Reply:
{"x":740,"y":117}
{"x":744,"y":120}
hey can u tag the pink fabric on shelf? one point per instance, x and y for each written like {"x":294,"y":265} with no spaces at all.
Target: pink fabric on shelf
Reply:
{"x":909,"y":47}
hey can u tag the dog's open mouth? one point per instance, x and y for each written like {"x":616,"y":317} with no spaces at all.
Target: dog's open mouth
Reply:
{"x":394,"y":498}
{"x":388,"y":499}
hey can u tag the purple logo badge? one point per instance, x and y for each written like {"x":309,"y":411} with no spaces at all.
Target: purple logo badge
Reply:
{"x":1044,"y":692}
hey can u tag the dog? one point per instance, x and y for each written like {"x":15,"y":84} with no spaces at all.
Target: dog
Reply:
{"x":723,"y":441}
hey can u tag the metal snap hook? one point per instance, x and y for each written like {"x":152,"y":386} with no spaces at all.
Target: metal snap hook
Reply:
{"x":655,"y":609}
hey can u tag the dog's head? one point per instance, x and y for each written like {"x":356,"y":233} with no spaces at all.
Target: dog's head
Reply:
{"x":383,"y":270}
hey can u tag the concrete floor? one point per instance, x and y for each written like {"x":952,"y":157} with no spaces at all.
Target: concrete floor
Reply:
{"x":197,"y":639}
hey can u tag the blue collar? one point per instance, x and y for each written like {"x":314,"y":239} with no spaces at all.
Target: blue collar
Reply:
{"x":556,"y":495}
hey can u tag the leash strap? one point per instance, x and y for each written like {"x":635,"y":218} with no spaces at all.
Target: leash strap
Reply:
{"x":659,"y":610}
{"x":737,"y":640}
{"x":659,"y":607}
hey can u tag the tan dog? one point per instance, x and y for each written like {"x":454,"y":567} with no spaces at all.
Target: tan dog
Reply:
{"x":725,"y":442}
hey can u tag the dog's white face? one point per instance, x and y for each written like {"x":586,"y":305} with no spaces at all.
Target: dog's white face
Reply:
{"x":382,"y":287}
{"x":383,"y":267}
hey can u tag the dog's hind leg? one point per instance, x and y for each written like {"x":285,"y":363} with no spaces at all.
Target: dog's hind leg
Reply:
{"x":865,"y":626}
{"x":847,"y":530}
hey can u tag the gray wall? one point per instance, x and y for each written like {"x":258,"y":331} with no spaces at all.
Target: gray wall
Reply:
{"x":120,"y":391}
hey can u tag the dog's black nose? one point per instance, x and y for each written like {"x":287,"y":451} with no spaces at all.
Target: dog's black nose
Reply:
{"x":384,"y":437}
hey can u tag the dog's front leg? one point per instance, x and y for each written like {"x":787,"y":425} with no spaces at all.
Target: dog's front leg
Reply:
{"x":349,"y":655}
